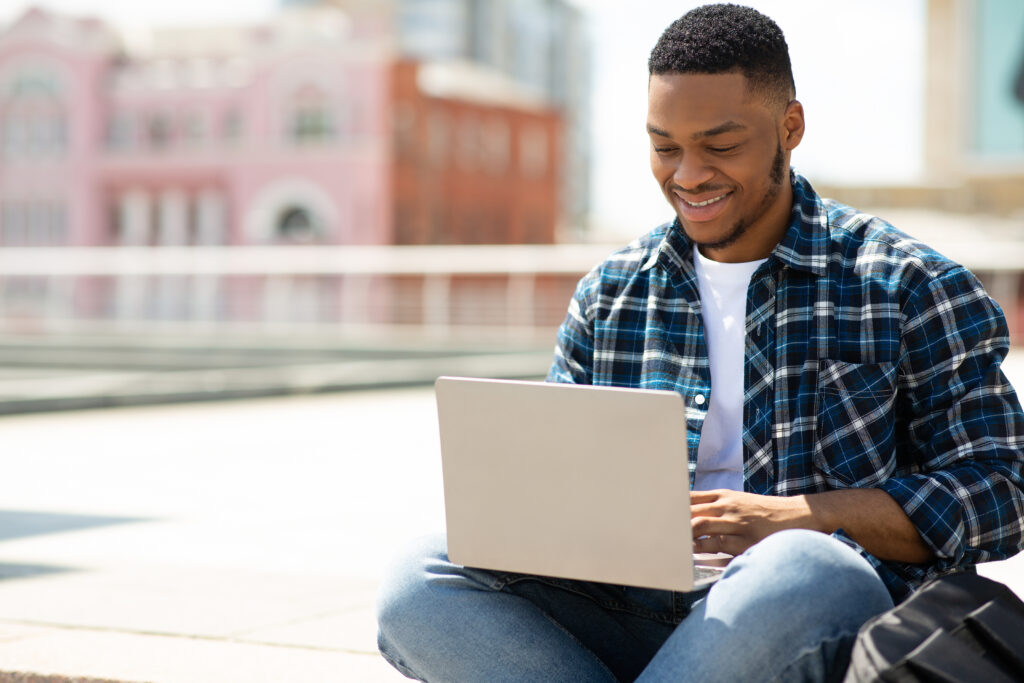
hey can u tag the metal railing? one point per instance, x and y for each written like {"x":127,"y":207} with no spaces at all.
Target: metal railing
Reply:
{"x":443,"y":292}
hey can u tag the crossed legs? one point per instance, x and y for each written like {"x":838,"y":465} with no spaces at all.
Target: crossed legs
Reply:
{"x":786,"y":610}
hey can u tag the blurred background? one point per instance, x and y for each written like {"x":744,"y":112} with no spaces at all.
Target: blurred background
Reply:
{"x":189,"y":188}
{"x":277,"y":200}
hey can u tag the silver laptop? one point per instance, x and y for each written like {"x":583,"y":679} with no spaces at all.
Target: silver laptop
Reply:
{"x":580,"y":482}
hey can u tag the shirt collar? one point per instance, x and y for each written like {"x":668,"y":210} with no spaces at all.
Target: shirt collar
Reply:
{"x":804,"y":246}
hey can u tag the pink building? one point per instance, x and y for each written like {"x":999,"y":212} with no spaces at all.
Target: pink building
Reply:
{"x":259,"y":135}
{"x":280,"y":133}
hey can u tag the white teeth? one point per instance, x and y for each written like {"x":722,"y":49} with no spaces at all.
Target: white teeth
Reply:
{"x":710,"y":201}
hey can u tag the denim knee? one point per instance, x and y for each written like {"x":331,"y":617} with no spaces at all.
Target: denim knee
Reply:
{"x":823,"y":571}
{"x":404,"y":584}
{"x":786,"y":609}
{"x":404,"y":597}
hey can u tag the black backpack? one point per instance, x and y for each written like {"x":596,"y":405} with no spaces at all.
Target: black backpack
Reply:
{"x":955,"y":629}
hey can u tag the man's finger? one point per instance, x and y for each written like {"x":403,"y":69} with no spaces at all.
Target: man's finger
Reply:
{"x":705,"y":510}
{"x":711,"y":526}
{"x":703,"y":496}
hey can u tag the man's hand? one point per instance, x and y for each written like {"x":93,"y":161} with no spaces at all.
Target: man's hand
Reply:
{"x":732,"y":521}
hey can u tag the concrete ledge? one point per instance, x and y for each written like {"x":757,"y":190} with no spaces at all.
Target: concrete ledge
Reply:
{"x":28,"y":392}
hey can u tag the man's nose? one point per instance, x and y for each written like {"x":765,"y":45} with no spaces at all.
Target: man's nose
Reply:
{"x":692,"y":172}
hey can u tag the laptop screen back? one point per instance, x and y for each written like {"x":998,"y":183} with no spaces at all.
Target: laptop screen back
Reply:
{"x":581,"y":482}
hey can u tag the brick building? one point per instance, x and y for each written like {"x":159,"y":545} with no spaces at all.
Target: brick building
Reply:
{"x":474,"y":159}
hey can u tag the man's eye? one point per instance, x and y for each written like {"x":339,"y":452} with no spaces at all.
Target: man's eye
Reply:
{"x":664,"y":150}
{"x":722,"y":150}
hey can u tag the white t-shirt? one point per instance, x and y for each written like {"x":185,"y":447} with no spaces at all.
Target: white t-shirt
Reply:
{"x":723,"y":298}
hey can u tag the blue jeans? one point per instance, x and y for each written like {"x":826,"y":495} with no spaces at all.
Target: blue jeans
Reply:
{"x":788,"y":609}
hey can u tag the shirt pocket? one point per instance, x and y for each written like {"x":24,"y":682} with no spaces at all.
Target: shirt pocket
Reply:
{"x":854,"y":434}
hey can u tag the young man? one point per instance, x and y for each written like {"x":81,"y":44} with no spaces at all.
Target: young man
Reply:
{"x":851,"y":433}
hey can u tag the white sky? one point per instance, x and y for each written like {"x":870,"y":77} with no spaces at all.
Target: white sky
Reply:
{"x":859,"y":70}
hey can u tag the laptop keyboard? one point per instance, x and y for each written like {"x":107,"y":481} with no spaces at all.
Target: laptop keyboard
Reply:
{"x":701,"y":572}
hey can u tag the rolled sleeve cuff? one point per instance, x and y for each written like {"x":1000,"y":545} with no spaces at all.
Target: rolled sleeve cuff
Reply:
{"x":936,"y":514}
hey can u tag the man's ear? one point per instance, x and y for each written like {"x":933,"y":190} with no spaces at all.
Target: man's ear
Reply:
{"x":792,"y":128}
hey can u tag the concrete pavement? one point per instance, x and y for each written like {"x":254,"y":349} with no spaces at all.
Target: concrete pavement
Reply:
{"x":235,"y":541}
{"x":211,"y":542}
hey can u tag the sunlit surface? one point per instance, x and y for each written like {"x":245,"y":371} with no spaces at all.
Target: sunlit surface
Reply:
{"x":214,"y":542}
{"x":183,"y":543}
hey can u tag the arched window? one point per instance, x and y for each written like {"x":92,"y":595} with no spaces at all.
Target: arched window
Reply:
{"x":297,"y":224}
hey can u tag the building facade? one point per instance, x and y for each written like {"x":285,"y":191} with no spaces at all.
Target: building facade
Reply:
{"x":973,"y":126}
{"x":308,"y":129}
{"x":475,"y":161}
{"x":294,"y":132}
{"x":258,"y":135}
{"x":541,"y":45}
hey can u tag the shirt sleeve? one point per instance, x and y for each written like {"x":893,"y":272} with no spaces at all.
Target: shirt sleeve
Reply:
{"x":964,"y":422}
{"x":574,"y":349}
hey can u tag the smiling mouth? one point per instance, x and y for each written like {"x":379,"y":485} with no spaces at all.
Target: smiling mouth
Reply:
{"x":706,"y":202}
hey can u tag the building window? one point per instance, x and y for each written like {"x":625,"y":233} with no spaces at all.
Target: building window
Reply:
{"x":200,"y":73}
{"x":235,"y":73}
{"x":468,"y":144}
{"x":120,"y":131}
{"x":405,"y":130}
{"x":193,"y":128}
{"x":405,"y":224}
{"x":312,"y":119}
{"x":34,"y":116}
{"x":48,"y":224}
{"x":533,"y":152}
{"x":13,"y":224}
{"x":495,"y":146}
{"x":231,"y":126}
{"x":159,"y":131}
{"x":33,"y":223}
{"x":437,"y":139}
{"x":15,"y":134}
{"x":440,"y":232}
{"x":312,"y":124}
{"x":296,"y":224}
{"x":164,"y":74}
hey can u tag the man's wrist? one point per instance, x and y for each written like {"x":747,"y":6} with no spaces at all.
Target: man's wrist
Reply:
{"x":822,"y":513}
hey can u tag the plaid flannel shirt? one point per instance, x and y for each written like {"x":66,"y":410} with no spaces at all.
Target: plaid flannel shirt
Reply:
{"x":871,"y":361}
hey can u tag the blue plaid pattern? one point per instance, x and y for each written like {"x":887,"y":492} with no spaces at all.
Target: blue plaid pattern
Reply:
{"x":871,"y":361}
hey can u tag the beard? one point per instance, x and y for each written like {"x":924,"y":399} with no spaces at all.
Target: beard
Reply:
{"x":775,"y":176}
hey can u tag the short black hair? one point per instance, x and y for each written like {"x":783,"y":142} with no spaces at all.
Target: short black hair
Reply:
{"x":715,"y":39}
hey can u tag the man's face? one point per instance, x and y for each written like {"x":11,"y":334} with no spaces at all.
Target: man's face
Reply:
{"x":721,"y":156}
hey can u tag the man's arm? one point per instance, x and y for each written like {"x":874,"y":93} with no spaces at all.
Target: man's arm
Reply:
{"x":961,"y":425}
{"x":732,"y":521}
{"x":574,"y":350}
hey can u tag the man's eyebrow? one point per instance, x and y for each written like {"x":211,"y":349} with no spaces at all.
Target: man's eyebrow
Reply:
{"x":727,"y":127}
